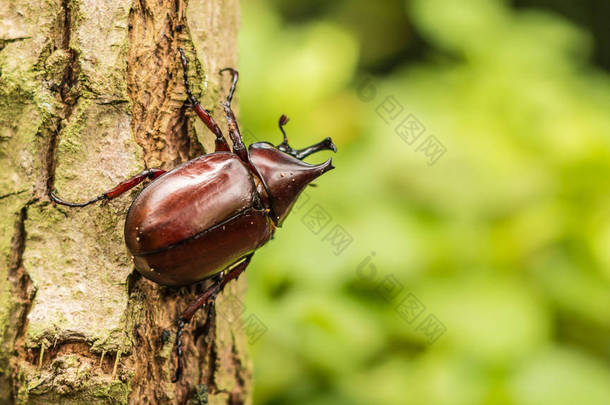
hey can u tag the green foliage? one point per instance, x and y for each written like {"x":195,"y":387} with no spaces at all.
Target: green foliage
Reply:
{"x":505,"y":239}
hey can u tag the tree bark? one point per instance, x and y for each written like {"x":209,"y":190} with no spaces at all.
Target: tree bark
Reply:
{"x":91,"y":93}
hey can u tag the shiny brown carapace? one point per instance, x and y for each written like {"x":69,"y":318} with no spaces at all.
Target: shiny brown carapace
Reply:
{"x":208,"y":216}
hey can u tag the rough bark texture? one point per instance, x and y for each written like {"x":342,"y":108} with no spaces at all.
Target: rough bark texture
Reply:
{"x":91,"y":93}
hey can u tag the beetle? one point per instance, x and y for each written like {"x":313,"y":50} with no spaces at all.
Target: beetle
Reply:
{"x":206,"y":217}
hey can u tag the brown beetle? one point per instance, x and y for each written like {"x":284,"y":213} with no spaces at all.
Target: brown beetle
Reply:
{"x":207,"y":216}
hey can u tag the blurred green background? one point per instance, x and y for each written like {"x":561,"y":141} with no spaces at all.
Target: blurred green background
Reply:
{"x":480,"y":275}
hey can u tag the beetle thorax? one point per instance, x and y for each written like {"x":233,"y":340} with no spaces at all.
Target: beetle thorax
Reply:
{"x":284,"y":177}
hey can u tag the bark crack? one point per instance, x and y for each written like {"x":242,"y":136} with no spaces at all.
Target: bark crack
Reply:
{"x":213,"y":350}
{"x":12,"y":194}
{"x":238,"y":396}
{"x":5,"y":41}
{"x":68,"y":92}
{"x":23,"y":290}
{"x":17,"y":248}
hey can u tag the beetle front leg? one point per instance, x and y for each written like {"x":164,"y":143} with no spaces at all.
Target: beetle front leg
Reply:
{"x":208,"y":295}
{"x":114,"y":192}
{"x":221,"y":142}
{"x":238,"y":144}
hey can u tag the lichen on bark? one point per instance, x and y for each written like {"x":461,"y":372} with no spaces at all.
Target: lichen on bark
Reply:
{"x":90,"y":93}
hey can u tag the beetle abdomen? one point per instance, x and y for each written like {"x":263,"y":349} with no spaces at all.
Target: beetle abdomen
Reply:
{"x":194,"y":220}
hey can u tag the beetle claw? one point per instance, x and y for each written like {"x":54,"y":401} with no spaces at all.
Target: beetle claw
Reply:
{"x":181,"y":323}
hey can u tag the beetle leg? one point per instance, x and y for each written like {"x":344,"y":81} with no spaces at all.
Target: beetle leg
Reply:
{"x":326,"y":144}
{"x":238,"y":144}
{"x":208,"y":295}
{"x":116,"y":191}
{"x":221,"y":142}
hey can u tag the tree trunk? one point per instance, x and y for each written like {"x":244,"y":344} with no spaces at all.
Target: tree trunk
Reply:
{"x":91,"y":93}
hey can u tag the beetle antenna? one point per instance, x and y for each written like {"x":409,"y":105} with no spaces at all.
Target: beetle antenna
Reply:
{"x":284,"y":147}
{"x":283,"y":121}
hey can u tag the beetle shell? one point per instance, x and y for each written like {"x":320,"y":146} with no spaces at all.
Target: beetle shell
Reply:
{"x":196,"y":220}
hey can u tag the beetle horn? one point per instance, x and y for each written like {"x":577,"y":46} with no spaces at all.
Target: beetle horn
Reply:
{"x":325,"y":144}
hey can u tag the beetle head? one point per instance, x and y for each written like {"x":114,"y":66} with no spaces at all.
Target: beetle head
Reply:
{"x":283,"y":172}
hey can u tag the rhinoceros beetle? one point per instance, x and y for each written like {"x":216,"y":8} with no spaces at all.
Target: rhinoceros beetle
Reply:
{"x":206,"y":217}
